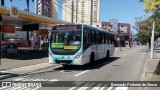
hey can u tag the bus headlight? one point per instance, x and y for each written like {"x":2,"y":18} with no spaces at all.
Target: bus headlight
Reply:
{"x":51,"y":56}
{"x":78,"y":56}
{"x":51,"y":59}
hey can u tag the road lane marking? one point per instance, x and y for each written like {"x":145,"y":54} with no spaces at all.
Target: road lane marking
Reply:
{"x":54,"y":80}
{"x":18,"y":79}
{"x":3,"y":88}
{"x":87,"y":85}
{"x":77,"y":84}
{"x":103,"y":87}
{"x":124,"y":54}
{"x":81,"y":73}
{"x":97,"y":87}
{"x":109,"y":88}
{"x":83,"y":88}
{"x":72,"y":88}
{"x":121,"y":88}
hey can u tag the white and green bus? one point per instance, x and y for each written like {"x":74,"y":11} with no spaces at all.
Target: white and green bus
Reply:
{"x":79,"y":44}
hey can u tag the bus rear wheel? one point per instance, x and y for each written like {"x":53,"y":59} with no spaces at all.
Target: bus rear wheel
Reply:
{"x":107,"y":55}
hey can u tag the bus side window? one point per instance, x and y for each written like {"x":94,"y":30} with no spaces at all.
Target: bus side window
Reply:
{"x":97,"y":37}
{"x":107,"y":38}
{"x":112,"y":39}
{"x":92,"y":36}
{"x":100,"y":37}
{"x":104,"y":38}
{"x":86,"y":38}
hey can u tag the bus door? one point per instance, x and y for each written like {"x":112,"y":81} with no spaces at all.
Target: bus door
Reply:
{"x":93,"y":43}
{"x":88,"y":43}
{"x":98,"y":48}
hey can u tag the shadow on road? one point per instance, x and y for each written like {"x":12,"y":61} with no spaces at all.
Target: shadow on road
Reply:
{"x":97,"y":64}
{"x":26,"y":55}
{"x":144,"y":50}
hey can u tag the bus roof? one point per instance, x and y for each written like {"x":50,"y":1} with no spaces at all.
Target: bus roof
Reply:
{"x":97,"y":28}
{"x":89,"y":26}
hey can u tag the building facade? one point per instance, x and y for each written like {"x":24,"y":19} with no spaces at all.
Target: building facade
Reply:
{"x":81,"y":11}
{"x":48,"y":8}
{"x":123,"y":37}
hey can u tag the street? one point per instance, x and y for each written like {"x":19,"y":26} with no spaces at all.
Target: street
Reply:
{"x":126,"y":65}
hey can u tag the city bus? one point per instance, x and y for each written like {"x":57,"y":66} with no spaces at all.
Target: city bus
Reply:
{"x":79,"y":44}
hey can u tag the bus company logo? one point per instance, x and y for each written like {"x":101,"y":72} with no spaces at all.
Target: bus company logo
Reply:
{"x":14,"y":11}
{"x":6,"y":84}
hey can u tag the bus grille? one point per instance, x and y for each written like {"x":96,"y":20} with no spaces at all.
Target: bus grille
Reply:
{"x":59,"y":52}
{"x":64,"y":61}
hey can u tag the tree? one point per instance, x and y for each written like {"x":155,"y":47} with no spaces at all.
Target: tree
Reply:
{"x":27,"y":2}
{"x":151,"y":5}
{"x":144,"y":26}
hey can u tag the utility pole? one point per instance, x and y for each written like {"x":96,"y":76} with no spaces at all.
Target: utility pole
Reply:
{"x":72,"y":11}
{"x":0,"y":36}
{"x":152,"y":42}
{"x":119,"y":36}
{"x":91,"y":12}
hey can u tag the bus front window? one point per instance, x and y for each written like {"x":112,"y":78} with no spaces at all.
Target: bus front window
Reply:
{"x":65,"y":41}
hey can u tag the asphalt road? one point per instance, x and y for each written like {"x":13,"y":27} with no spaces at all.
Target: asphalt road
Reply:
{"x":125,"y":65}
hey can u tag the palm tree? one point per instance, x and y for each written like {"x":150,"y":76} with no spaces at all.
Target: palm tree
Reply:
{"x":27,"y":1}
{"x":2,"y":2}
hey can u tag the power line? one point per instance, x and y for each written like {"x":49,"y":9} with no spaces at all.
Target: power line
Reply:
{"x":65,"y":9}
{"x":74,"y":10}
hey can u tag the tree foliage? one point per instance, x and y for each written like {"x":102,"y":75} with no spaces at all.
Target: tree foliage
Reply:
{"x":144,"y":25}
{"x":144,"y":28}
{"x":151,"y":5}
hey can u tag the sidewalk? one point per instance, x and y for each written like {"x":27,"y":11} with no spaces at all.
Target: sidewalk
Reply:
{"x":14,"y":65}
{"x":155,"y":76}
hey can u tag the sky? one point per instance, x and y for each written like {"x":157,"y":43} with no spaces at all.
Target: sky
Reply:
{"x":124,"y":10}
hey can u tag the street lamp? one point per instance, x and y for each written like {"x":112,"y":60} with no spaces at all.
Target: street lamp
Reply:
{"x":119,"y":37}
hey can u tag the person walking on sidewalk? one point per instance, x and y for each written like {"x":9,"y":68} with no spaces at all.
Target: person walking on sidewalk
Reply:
{"x":35,"y":42}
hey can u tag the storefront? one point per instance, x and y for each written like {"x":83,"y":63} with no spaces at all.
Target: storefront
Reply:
{"x":19,"y":26}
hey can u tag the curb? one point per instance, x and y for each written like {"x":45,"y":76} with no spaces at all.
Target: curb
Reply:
{"x":24,"y":70}
{"x":7,"y":75}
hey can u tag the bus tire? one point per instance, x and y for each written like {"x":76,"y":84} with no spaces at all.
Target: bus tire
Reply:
{"x":92,"y":58}
{"x":107,"y":55}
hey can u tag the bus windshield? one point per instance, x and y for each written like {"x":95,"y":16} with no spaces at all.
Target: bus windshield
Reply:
{"x":65,"y":40}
